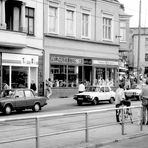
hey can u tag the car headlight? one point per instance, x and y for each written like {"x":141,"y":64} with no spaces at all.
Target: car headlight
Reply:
{"x":88,"y":97}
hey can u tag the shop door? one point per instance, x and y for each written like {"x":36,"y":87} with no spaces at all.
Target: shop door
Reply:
{"x":88,"y":74}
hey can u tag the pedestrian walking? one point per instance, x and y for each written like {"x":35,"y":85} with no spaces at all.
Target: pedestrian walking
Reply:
{"x":144,"y":98}
{"x":81,"y":87}
{"x":48,"y":88}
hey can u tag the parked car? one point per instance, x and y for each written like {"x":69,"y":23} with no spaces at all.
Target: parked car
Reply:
{"x":20,"y":99}
{"x":133,"y":93}
{"x":94,"y":95}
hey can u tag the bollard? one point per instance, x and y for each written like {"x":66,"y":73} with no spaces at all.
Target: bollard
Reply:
{"x":86,"y":127}
{"x":37,"y":134}
{"x":122,"y":111}
{"x":141,"y":119}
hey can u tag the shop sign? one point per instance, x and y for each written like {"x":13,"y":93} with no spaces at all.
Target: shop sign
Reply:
{"x":65,"y":60}
{"x":19,"y":59}
{"x":88,"y":61}
{"x":101,"y":62}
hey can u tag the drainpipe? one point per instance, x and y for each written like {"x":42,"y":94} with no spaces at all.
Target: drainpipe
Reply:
{"x":95,"y":20}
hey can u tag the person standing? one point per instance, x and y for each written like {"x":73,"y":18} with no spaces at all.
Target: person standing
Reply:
{"x":119,"y":97}
{"x":33,"y":86}
{"x":48,"y":88}
{"x":81,"y":87}
{"x":144,"y":98}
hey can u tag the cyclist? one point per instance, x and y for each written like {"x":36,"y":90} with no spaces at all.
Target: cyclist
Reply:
{"x":120,"y":99}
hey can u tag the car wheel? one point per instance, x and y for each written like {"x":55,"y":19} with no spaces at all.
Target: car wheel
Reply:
{"x":79,"y":102}
{"x":7,"y":109}
{"x":36,"y":107}
{"x":111,"y":100}
{"x":95,"y":101}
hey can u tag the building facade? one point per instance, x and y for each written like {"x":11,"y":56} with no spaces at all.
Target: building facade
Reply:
{"x":124,"y":50}
{"x":21,"y":43}
{"x":143,"y":50}
{"x":81,"y":42}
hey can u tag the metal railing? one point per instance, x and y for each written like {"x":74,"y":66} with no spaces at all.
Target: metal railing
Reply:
{"x":86,"y":128}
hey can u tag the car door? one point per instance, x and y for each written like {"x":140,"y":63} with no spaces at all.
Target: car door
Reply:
{"x":20,"y":101}
{"x":102,"y":95}
{"x":30,"y":98}
{"x":107,"y":93}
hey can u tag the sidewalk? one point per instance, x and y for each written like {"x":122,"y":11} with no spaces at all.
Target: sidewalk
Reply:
{"x":107,"y":136}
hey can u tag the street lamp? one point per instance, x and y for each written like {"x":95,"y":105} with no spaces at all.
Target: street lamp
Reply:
{"x":139,"y":39}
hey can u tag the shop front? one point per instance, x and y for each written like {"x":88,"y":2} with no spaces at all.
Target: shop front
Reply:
{"x":18,"y":70}
{"x":105,"y":72}
{"x":69,"y":71}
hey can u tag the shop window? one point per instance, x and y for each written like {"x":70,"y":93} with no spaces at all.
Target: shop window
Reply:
{"x":19,"y":77}
{"x":5,"y":75}
{"x":64,"y":75}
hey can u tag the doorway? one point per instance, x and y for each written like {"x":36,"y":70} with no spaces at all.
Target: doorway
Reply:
{"x":88,"y":74}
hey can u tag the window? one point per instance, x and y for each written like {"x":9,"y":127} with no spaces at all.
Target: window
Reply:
{"x":86,"y":25}
{"x":122,"y":31}
{"x":19,"y":94}
{"x":53,"y":19}
{"x":70,"y":22}
{"x":29,"y":16}
{"x":29,"y":94}
{"x":107,"y":28}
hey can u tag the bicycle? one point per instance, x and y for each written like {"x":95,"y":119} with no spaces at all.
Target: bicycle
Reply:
{"x":126,"y":115}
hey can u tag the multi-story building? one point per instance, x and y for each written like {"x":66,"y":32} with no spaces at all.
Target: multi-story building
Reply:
{"x":143,"y":50}
{"x":21,"y":42}
{"x":81,"y":42}
{"x":124,"y":49}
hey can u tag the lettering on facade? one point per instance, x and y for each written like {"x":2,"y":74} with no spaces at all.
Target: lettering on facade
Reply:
{"x":65,"y":60}
{"x":101,"y":62}
{"x":88,"y":61}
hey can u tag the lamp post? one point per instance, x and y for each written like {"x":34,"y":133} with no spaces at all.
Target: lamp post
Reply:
{"x":139,"y":40}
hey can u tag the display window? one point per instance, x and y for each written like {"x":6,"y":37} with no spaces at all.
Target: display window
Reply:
{"x":105,"y":76}
{"x":19,"y":77}
{"x":64,"y":75}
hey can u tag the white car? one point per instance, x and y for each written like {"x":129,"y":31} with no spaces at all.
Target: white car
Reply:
{"x":95,"y":94}
{"x":133,"y":93}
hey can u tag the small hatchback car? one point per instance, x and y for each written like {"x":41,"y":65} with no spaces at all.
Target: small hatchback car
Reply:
{"x":94,"y":95}
{"x":20,"y":99}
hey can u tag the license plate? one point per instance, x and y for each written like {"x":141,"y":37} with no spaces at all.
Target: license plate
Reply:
{"x":80,"y":98}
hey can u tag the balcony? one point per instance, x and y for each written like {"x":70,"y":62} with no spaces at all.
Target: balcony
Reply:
{"x":12,"y":39}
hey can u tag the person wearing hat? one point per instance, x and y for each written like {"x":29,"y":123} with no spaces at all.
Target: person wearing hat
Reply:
{"x":144,"y":98}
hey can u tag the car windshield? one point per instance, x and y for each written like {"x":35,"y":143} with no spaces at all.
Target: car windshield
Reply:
{"x":92,"y":89}
{"x":7,"y":93}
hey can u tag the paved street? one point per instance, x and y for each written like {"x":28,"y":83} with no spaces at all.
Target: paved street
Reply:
{"x":103,"y":136}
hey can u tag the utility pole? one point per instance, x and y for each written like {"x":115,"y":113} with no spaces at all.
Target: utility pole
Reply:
{"x":139,"y":40}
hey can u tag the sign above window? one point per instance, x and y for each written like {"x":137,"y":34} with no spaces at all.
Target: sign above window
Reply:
{"x":19,"y":59}
{"x":65,"y":59}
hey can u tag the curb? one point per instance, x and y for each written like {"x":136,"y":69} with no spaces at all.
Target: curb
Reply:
{"x":98,"y":145}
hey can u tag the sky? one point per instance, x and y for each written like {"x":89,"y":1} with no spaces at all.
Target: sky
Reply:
{"x":132,"y":8}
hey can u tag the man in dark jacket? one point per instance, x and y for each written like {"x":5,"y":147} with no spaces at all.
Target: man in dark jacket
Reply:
{"x":33,"y":86}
